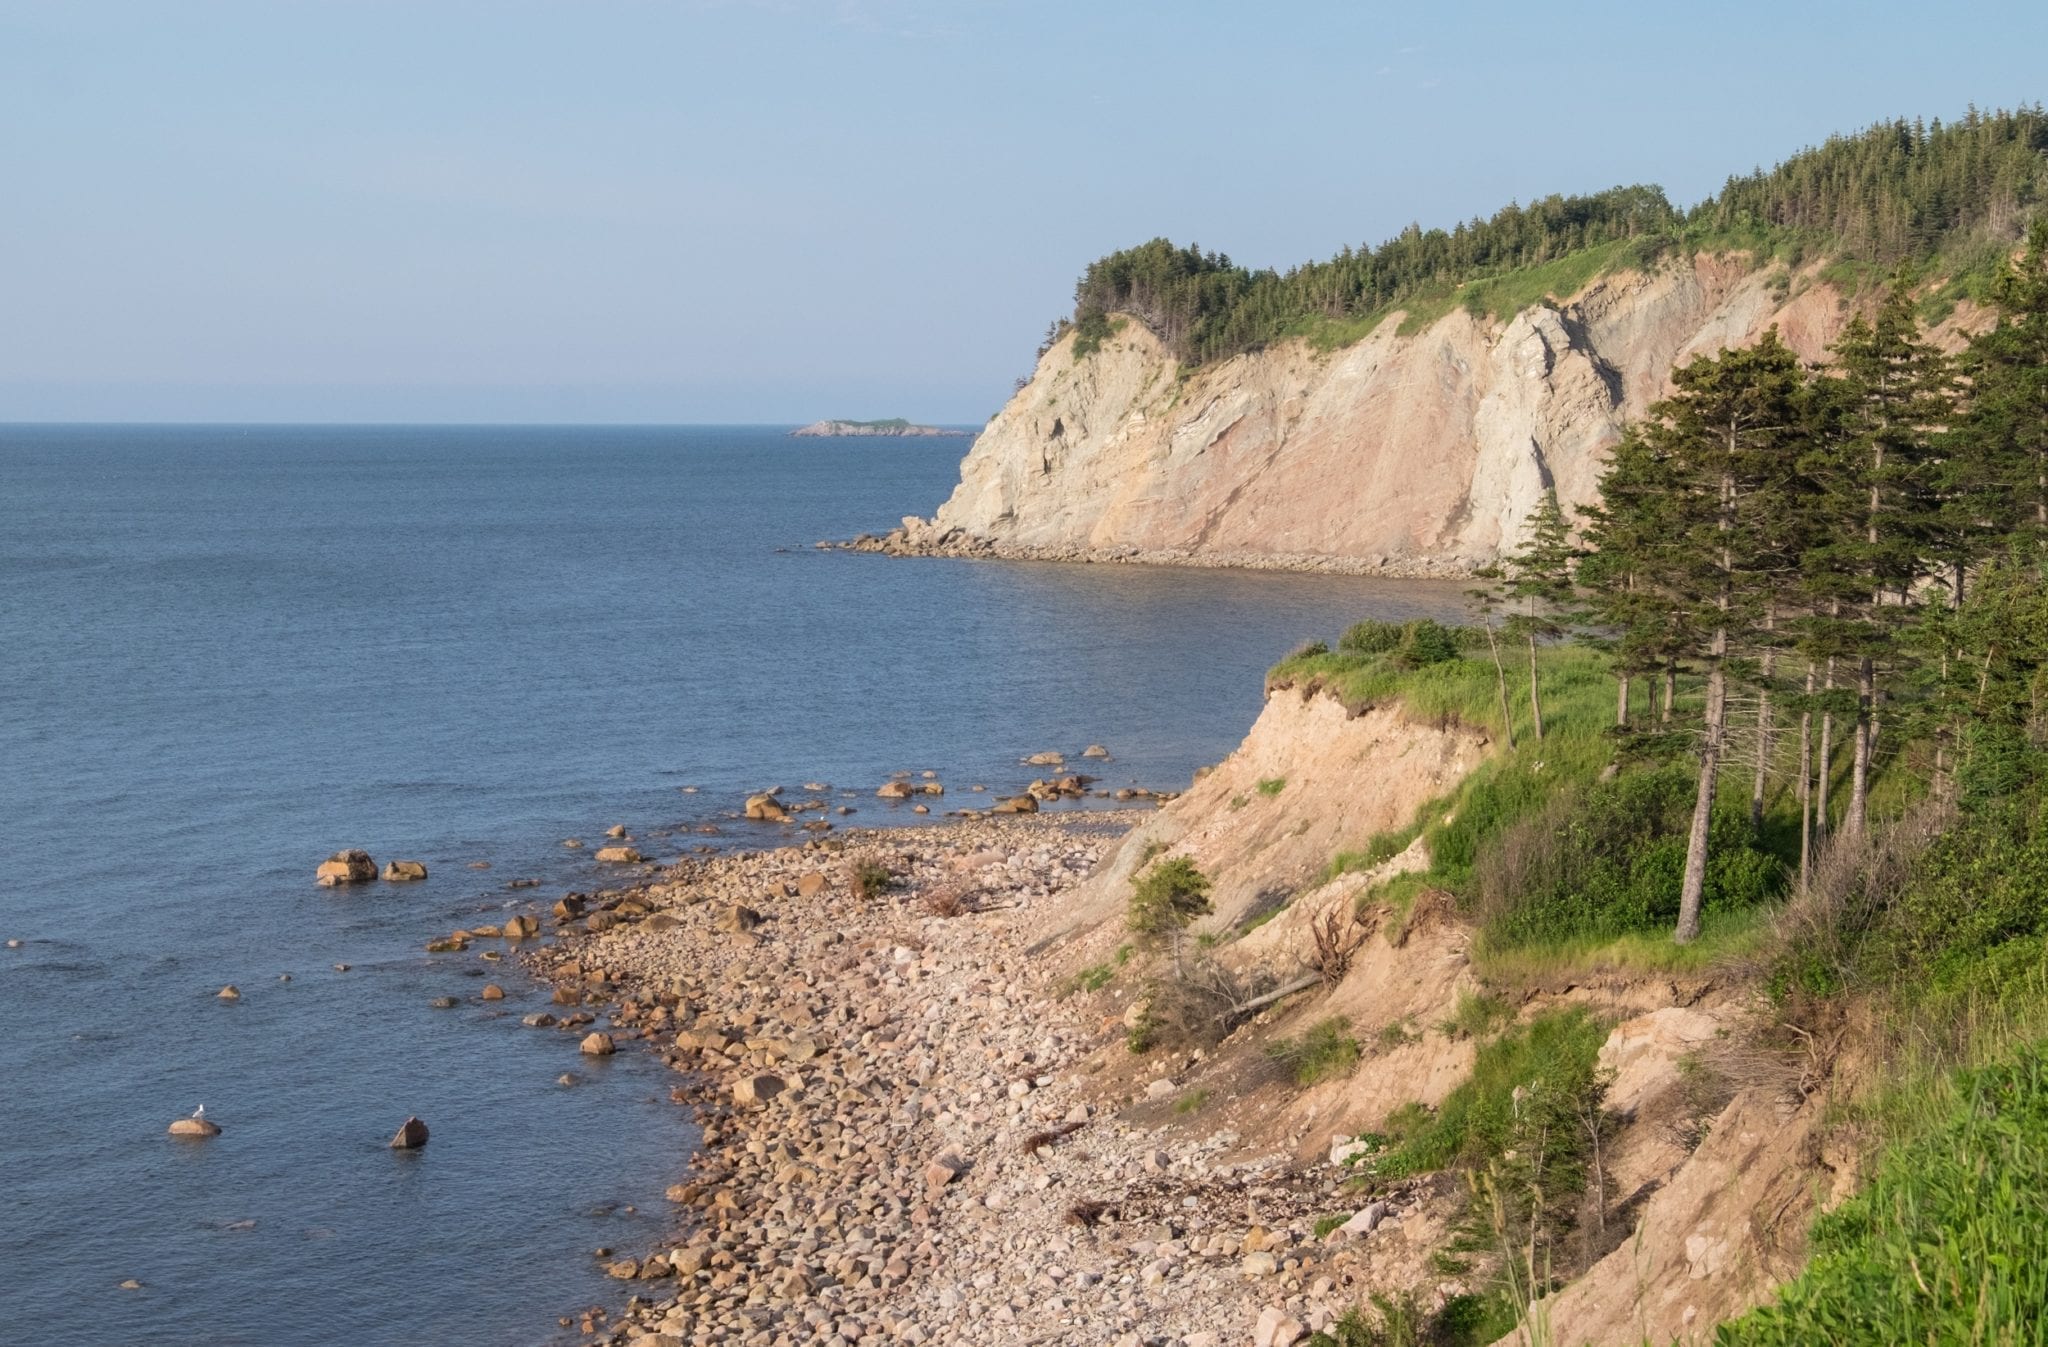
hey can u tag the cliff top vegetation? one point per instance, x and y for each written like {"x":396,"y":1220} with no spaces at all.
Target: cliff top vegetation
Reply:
{"x":1948,"y":198}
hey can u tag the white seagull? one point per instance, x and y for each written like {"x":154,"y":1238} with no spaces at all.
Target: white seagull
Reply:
{"x":199,"y":1112}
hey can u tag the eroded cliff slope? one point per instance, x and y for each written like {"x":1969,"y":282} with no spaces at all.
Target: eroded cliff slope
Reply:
{"x":1406,"y":454}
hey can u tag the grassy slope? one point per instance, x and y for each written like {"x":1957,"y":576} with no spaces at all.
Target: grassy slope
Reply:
{"x":1945,"y":1242}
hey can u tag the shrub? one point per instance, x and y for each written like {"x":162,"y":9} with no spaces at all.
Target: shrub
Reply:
{"x":1608,"y":859}
{"x":1425,"y":641}
{"x":1370,"y":637}
{"x":871,"y":878}
{"x":1272,"y":786}
{"x":1326,"y":1049}
{"x":1168,"y":896}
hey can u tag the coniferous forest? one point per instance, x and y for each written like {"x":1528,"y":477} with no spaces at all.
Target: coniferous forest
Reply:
{"x":1942,"y":197}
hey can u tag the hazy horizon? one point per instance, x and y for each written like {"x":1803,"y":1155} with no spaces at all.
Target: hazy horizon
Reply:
{"x":763,"y":212}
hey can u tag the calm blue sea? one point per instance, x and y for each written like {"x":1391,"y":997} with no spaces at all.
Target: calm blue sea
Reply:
{"x":226,"y":652}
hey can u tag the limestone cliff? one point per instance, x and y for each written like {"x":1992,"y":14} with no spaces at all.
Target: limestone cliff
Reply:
{"x":1406,"y":454}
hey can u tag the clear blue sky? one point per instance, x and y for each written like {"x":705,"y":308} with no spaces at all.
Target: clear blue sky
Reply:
{"x":659,"y":210}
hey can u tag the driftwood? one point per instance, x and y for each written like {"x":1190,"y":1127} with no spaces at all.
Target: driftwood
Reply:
{"x":1280,"y":993}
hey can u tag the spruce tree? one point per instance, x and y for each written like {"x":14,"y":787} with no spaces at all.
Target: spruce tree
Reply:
{"x":1538,"y":576}
{"x":1879,"y":499}
{"x":1728,"y":436}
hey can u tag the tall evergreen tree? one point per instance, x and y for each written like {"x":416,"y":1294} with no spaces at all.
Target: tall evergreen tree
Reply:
{"x":1878,"y":499}
{"x":1726,"y":438}
{"x":1999,"y":453}
{"x":1538,"y":577}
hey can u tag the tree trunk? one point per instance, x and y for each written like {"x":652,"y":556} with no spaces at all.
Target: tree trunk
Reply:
{"x":1695,"y":885}
{"x":1763,"y":733}
{"x":1825,"y":766}
{"x":1621,"y":702}
{"x":1693,"y":890}
{"x":1535,"y":700}
{"x":1670,"y":690}
{"x":1859,"y":763}
{"x":1806,"y":785}
{"x":1500,"y":683}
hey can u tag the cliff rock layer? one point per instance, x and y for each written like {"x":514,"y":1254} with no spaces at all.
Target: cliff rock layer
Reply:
{"x":1404,"y":454}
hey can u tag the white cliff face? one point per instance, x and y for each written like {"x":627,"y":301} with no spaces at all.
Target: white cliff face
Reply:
{"x":1409,"y":454}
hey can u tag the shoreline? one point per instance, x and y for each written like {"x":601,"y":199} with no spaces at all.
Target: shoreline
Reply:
{"x":954,"y":544}
{"x":868,"y":1070}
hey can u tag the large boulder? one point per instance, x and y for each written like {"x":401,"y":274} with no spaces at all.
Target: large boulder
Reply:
{"x":521,"y":927}
{"x":353,"y":866}
{"x":895,"y":790}
{"x":597,"y":1045}
{"x":194,"y":1127}
{"x":765,"y":808}
{"x":398,"y":872}
{"x":619,"y":855}
{"x":412,"y":1134}
{"x":754,"y":1090}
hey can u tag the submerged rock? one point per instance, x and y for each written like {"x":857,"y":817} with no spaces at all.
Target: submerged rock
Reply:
{"x":399,"y":872}
{"x":619,"y":855}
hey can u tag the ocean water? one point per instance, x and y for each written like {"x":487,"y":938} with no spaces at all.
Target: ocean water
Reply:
{"x":226,"y":652}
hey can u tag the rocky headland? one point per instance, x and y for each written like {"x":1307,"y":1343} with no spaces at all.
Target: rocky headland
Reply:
{"x":1411,"y":451}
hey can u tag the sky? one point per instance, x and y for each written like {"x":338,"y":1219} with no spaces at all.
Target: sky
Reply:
{"x":782,"y":210}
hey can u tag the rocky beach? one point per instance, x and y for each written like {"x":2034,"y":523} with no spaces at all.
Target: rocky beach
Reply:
{"x":910,"y":1135}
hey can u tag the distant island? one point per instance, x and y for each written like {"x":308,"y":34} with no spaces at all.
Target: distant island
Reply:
{"x":895,"y":426}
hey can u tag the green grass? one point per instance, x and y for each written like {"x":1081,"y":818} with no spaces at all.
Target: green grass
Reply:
{"x":1272,"y":786}
{"x":1947,"y":1242}
{"x":1094,"y":977}
{"x":1191,"y":1102}
{"x":1325,"y":1224}
{"x":1727,"y":939}
{"x":1555,"y":1052}
{"x":1476,"y":1015}
{"x":1504,"y":296}
{"x":1324,"y":1050}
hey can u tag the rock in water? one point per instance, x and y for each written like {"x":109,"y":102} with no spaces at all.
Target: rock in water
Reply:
{"x":616,"y":832}
{"x":229,"y":993}
{"x":618,"y":855}
{"x":1095,"y":751}
{"x":398,"y":872}
{"x":765,"y":808}
{"x":194,"y":1127}
{"x":353,"y":866}
{"x":598,"y":1045}
{"x":412,"y":1134}
{"x":493,"y":992}
{"x":895,"y":790}
{"x":521,"y":928}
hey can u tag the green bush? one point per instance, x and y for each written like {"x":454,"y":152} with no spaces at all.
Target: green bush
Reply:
{"x":871,"y":879}
{"x":1410,"y":645}
{"x":1945,"y":1245}
{"x":1169,"y":896}
{"x":1370,"y":637}
{"x":1609,"y":859}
